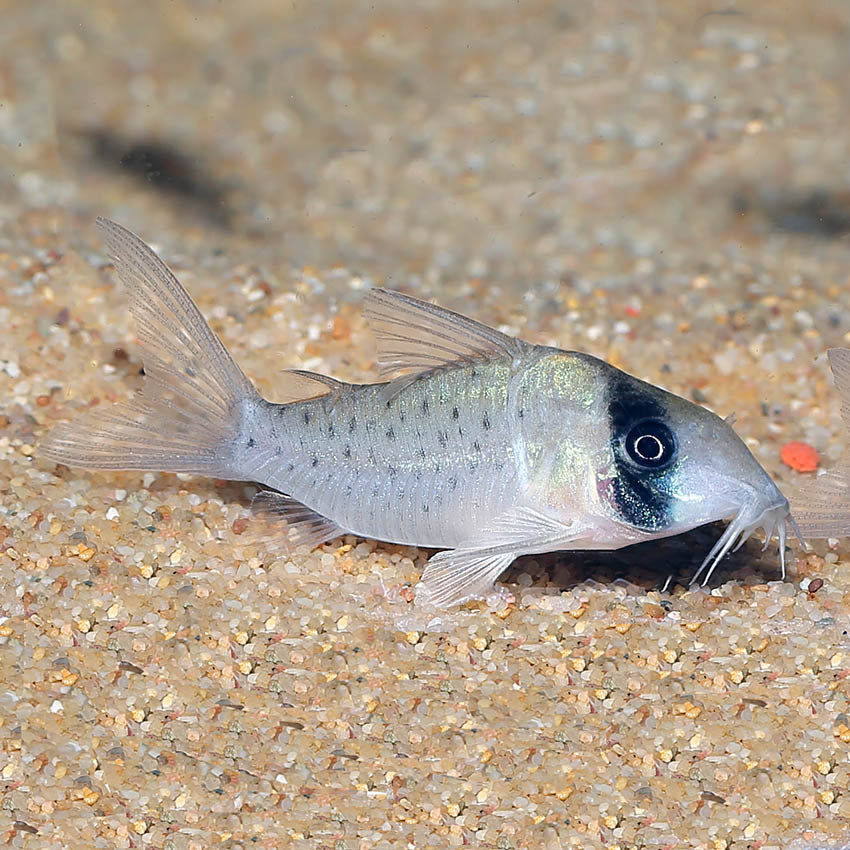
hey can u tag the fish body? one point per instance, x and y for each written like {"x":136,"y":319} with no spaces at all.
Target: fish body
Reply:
{"x":481,"y":444}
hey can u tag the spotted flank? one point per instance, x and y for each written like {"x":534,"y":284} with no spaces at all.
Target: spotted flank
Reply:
{"x":478,"y":444}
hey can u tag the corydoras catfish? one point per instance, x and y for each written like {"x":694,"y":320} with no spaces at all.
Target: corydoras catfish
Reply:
{"x":482,"y":445}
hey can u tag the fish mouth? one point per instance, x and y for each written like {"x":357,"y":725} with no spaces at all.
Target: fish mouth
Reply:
{"x":774,"y":520}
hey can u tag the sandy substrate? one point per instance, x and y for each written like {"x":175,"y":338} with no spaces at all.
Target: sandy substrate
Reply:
{"x":662,"y":185}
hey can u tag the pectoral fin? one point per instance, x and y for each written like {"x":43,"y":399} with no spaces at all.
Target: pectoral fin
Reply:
{"x":456,"y":575}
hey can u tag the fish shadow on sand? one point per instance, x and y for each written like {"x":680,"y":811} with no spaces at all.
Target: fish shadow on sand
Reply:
{"x":647,"y":565}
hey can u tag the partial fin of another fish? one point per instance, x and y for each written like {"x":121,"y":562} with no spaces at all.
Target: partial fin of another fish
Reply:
{"x":822,"y":507}
{"x":415,"y":336}
{"x":188,"y":413}
{"x":305,"y":527}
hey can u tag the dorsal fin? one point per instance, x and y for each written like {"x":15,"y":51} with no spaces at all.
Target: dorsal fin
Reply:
{"x":415,"y":336}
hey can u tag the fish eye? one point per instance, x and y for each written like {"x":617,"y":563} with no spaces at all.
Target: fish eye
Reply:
{"x":650,"y":444}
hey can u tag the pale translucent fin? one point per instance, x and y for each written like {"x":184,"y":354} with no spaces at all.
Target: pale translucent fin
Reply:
{"x":822,"y":506}
{"x":456,"y":575}
{"x":839,"y":362}
{"x":418,"y":336}
{"x":451,"y":577}
{"x":301,"y":385}
{"x":304,"y":527}
{"x":187,"y":416}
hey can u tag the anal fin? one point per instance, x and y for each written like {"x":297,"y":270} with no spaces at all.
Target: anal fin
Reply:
{"x":304,"y":527}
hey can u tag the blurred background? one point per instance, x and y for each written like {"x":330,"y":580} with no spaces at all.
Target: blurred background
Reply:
{"x":521,"y":142}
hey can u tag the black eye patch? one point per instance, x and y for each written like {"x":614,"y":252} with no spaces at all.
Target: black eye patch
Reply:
{"x":643,"y":445}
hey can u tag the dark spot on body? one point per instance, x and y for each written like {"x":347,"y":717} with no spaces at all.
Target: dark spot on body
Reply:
{"x":352,"y":424}
{"x":521,"y":412}
{"x":486,"y":422}
{"x":390,"y":433}
{"x":425,"y":509}
{"x":452,"y":484}
{"x":331,"y":430}
{"x":476,"y":447}
{"x":392,"y":471}
{"x":306,"y":415}
{"x":314,"y":462}
{"x":424,"y":405}
{"x":443,"y":438}
{"x":346,"y":452}
{"x":290,"y":467}
{"x":251,"y":443}
{"x":455,"y":413}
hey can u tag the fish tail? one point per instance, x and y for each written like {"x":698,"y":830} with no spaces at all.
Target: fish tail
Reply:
{"x":195,"y":400}
{"x":822,"y":507}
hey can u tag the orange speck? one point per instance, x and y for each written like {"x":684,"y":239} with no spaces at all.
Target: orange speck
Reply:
{"x":800,"y":456}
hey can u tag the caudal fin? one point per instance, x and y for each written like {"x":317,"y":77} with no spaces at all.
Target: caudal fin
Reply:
{"x":187,"y":416}
{"x":822,"y":507}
